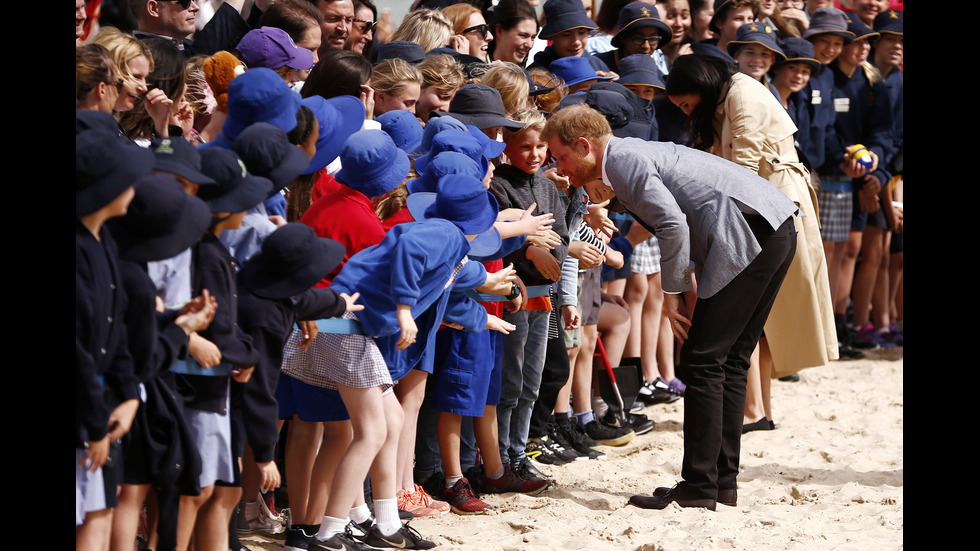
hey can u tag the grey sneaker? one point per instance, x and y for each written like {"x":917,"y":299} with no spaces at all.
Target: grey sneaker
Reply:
{"x":405,"y":538}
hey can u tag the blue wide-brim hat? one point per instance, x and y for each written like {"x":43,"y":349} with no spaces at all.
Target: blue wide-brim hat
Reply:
{"x":443,"y":164}
{"x":236,"y":189}
{"x":432,"y":128}
{"x":339,"y":118}
{"x":260,"y":95}
{"x":491,"y":148}
{"x":162,"y":220}
{"x":454,"y":140}
{"x":574,"y":70}
{"x":106,"y":165}
{"x":372,"y":164}
{"x":859,"y":29}
{"x":464,"y":202}
{"x":178,"y":156}
{"x":485,"y":244}
{"x":405,"y":130}
{"x":640,"y":69}
{"x":292,"y":259}
{"x":756,"y":33}
{"x":266,"y":152}
{"x":798,"y":50}
{"x":638,"y":15}
{"x":561,"y":15}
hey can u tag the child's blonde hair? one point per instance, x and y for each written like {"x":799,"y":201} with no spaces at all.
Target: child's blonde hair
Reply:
{"x":391,"y":75}
{"x":532,"y":119}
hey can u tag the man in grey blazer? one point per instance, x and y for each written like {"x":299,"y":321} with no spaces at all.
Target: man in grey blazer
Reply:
{"x":736,"y":229}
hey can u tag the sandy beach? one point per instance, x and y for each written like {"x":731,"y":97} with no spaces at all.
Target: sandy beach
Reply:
{"x":831,"y":477}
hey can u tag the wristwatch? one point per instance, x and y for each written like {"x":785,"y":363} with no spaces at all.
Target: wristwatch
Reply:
{"x":515,"y":291}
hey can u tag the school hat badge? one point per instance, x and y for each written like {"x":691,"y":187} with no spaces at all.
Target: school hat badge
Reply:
{"x":638,"y":15}
{"x":236,"y":189}
{"x":292,"y":259}
{"x":756,"y":33}
{"x":178,"y":156}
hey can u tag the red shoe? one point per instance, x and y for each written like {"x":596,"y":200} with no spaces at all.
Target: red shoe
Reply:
{"x":512,"y":482}
{"x":463,"y":500}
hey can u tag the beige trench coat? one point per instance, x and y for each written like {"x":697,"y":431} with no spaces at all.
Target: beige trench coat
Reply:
{"x":757,"y":133}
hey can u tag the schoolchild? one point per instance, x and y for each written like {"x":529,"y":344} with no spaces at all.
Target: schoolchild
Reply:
{"x":162,"y":220}
{"x":226,"y":353}
{"x":641,"y":76}
{"x":640,"y":32}
{"x":405,"y":286}
{"x":755,"y":52}
{"x":519,"y":185}
{"x":567,"y":27}
{"x":373,"y":166}
{"x":105,"y":386}
{"x":728,"y":16}
{"x":790,"y":78}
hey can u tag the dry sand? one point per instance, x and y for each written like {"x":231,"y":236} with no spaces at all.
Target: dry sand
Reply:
{"x":830,"y":477}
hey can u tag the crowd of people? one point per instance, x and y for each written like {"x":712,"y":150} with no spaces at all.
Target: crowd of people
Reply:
{"x":386,"y":267}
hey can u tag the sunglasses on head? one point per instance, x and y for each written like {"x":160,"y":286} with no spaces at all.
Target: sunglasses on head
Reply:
{"x":483,"y":28}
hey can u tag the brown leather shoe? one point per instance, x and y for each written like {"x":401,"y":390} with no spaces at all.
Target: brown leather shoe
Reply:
{"x":676,"y":494}
{"x":725,"y":497}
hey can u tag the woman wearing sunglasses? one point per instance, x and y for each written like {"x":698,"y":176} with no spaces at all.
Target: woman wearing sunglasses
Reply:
{"x":472,"y":32}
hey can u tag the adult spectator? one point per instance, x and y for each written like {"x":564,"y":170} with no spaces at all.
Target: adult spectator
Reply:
{"x":175,"y":20}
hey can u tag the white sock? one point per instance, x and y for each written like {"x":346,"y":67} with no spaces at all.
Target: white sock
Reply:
{"x":452,"y":480}
{"x":360,"y":513}
{"x":386,"y":511}
{"x":330,"y":527}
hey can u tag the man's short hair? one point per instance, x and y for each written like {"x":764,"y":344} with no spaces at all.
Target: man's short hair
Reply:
{"x":138,"y":7}
{"x":572,"y":122}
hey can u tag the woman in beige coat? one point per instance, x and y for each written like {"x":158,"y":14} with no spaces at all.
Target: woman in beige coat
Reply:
{"x":739,"y":119}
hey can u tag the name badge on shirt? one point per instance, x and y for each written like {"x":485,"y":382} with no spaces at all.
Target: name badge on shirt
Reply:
{"x":842,"y":105}
{"x":815,"y":98}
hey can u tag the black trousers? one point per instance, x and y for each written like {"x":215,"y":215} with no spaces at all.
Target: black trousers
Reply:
{"x":715,"y":359}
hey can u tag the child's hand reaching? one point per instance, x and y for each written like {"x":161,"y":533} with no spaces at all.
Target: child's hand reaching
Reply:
{"x":547,"y":265}
{"x":204,"y":351}
{"x":242,"y":375}
{"x":549,"y":240}
{"x":409,"y":330}
{"x":269,"y":477}
{"x":351,"y":301}
{"x":499,"y":282}
{"x":496,"y":324}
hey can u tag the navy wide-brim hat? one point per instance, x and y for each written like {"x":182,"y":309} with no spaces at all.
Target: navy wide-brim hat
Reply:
{"x":445,"y":163}
{"x":401,"y":49}
{"x":798,"y":50}
{"x":162,"y":220}
{"x":640,"y":69}
{"x":574,"y":70}
{"x":339,"y":118}
{"x":293,"y":259}
{"x":372,"y":164}
{"x":481,"y":106}
{"x":106,"y":165}
{"x":859,"y":29}
{"x":713,"y":22}
{"x":561,"y":15}
{"x":236,"y":189}
{"x":828,"y":21}
{"x":638,"y":15}
{"x":464,"y":202}
{"x":890,"y":22}
{"x":178,"y":156}
{"x":266,"y":152}
{"x":756,"y":33}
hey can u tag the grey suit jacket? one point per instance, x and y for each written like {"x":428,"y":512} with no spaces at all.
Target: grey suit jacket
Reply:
{"x":694,"y":202}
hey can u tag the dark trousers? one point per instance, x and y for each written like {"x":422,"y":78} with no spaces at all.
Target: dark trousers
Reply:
{"x":553,"y":378}
{"x":715,"y":359}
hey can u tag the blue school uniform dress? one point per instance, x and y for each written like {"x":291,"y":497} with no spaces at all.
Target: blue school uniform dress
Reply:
{"x":416,"y":264}
{"x":104,"y":375}
{"x":206,"y":391}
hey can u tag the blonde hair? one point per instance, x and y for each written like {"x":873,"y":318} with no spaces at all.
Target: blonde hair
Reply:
{"x":459,"y":14}
{"x":509,"y":80}
{"x":532,"y":119}
{"x":124,"y":48}
{"x":93,"y":66}
{"x":429,"y":28}
{"x":441,"y":72}
{"x":571,"y":123}
{"x":391,"y":75}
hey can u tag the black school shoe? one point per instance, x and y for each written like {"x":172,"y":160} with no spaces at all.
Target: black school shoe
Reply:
{"x":405,"y":538}
{"x":574,"y":434}
{"x":527,"y":471}
{"x":341,"y":541}
{"x":297,"y":540}
{"x":539,"y":449}
{"x":607,"y":435}
{"x":641,"y":424}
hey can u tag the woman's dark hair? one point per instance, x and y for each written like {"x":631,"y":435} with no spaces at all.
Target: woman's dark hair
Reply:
{"x":607,"y":18}
{"x":708,"y":77}
{"x":168,"y":75}
{"x":507,"y":14}
{"x":358,"y":4}
{"x":293,"y":16}
{"x":339,"y":73}
{"x":305,"y":120}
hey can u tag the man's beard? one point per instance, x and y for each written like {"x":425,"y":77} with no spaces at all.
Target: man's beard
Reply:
{"x":584,"y":172}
